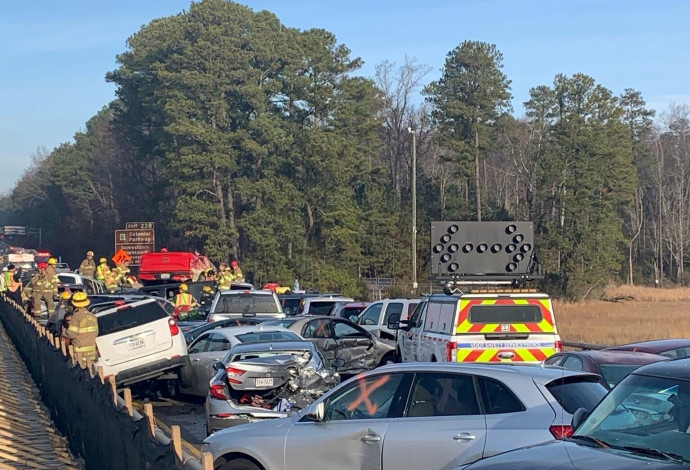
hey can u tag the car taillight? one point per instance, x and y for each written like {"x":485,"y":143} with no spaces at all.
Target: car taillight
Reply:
{"x":218,"y":391}
{"x":174,"y":329}
{"x":558,"y":346}
{"x":451,"y":351}
{"x":561,"y":431}
{"x":234,"y":372}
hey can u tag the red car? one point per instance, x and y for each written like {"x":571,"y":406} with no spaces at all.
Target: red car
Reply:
{"x":612,"y":366}
{"x":671,"y":348}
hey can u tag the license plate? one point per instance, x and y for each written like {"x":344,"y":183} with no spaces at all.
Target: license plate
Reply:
{"x":136,"y":344}
{"x":165,"y":276}
{"x":264,"y":382}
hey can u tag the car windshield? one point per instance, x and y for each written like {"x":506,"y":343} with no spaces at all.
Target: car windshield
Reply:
{"x":247,"y":303}
{"x":614,"y":373}
{"x":643,"y":415}
{"x":290,"y":306}
{"x":256,"y":336}
{"x":321,"y":307}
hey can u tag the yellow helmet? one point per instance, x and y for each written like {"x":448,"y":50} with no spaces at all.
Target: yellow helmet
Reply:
{"x":52,"y":261}
{"x":89,"y":253}
{"x":65,"y":295}
{"x":103,"y":260}
{"x":80,"y":300}
{"x":183,"y":287}
{"x":207,"y":289}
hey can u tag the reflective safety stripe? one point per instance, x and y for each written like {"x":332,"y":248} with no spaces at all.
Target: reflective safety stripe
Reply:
{"x":85,"y":349}
{"x":505,"y":355}
{"x":87,"y":329}
{"x":73,"y":328}
{"x":546,"y":325}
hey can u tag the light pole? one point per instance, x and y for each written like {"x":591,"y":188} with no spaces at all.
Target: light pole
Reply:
{"x":414,"y":207}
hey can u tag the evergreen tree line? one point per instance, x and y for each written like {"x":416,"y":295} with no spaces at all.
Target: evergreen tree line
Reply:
{"x":243,"y":138}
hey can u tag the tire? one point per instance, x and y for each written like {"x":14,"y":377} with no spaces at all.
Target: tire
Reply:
{"x":238,"y":464}
{"x":389,"y":358}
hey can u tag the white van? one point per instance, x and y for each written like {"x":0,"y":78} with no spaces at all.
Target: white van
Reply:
{"x":375,"y":317}
{"x":511,"y":325}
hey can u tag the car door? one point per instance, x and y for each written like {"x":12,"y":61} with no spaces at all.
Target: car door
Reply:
{"x":190,"y":378}
{"x":355,"y":346}
{"x":353,"y":430}
{"x":409,"y":337}
{"x":320,"y":332}
{"x":509,"y":423}
{"x":442,"y":427}
{"x":392,"y":313}
{"x":218,"y":346}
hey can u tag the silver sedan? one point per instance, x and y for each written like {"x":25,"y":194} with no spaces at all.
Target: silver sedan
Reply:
{"x":417,"y":415}
{"x":211,"y":347}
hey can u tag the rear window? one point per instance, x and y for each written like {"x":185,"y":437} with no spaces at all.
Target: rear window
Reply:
{"x":577,"y":392}
{"x":290,"y":306}
{"x":505,"y":314}
{"x":286,"y":323}
{"x":614,"y":373}
{"x":130,"y":318}
{"x":257,"y":336}
{"x":320,"y":308}
{"x":246,"y":303}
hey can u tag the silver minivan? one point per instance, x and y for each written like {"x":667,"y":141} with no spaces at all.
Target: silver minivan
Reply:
{"x":414,"y":416}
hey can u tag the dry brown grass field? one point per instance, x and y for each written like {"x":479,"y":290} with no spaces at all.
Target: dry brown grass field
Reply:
{"x":641,"y":313}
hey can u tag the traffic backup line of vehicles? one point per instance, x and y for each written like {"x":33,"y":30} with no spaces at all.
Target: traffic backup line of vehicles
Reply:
{"x":295,"y":391}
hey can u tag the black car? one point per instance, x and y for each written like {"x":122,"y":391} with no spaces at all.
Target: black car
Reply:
{"x":644,"y":423}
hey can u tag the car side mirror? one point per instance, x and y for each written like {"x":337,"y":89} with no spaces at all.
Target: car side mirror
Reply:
{"x":403,"y":325}
{"x":218,"y":366}
{"x":317,"y":413}
{"x":579,"y":417}
{"x":394,"y":322}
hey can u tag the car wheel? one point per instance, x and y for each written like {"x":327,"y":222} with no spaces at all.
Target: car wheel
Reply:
{"x":388,"y":359}
{"x":239,"y":464}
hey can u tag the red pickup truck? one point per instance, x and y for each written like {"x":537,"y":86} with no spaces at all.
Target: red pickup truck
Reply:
{"x":173,"y":266}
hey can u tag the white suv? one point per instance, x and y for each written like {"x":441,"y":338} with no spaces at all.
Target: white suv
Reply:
{"x":245,"y":303}
{"x":375,"y":317}
{"x":139,"y":341}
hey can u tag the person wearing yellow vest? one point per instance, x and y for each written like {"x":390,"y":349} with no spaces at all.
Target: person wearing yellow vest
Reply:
{"x":14,"y":287}
{"x":226,"y":278}
{"x":184,"y":298}
{"x":3,"y":281}
{"x":83,"y":329}
{"x":102,"y":270}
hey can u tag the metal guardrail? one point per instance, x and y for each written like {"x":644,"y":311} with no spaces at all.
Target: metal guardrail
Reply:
{"x":583,"y":346}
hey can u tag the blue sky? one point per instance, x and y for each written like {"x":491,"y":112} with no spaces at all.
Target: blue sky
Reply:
{"x":55,"y":54}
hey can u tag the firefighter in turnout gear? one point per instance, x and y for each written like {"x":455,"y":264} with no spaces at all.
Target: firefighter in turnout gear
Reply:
{"x":111,"y":281}
{"x":88,"y":266}
{"x":207,"y":296}
{"x":236,"y":271}
{"x":122,"y":270}
{"x":83,"y":329}
{"x":51,"y":275}
{"x":102,"y":270}
{"x":184,"y":298}
{"x":225,"y":281}
{"x":42,"y":289}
